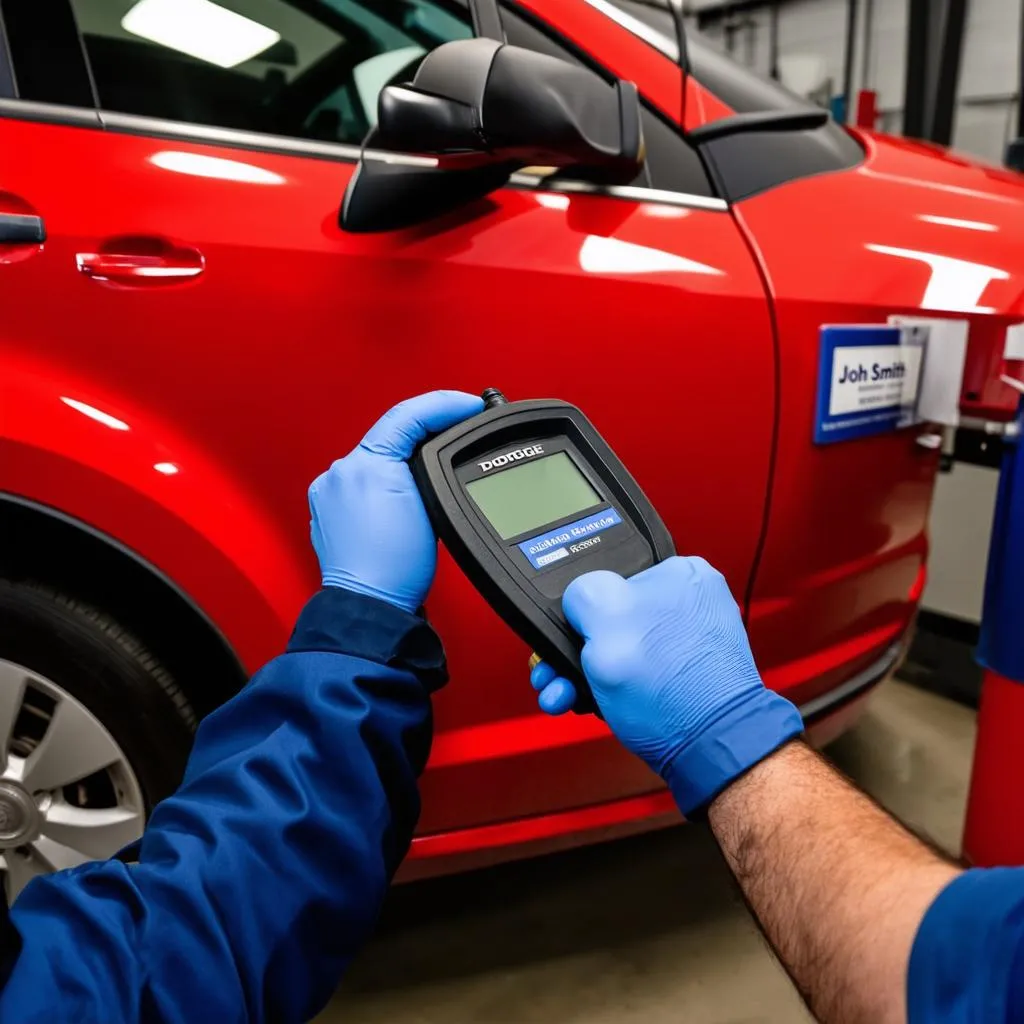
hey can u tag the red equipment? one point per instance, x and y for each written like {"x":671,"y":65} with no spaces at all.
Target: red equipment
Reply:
{"x":867,"y":109}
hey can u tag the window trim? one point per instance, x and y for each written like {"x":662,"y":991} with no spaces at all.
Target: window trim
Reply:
{"x":637,"y":193}
{"x":49,"y":113}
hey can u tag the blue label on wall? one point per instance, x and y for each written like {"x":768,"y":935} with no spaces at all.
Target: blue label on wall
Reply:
{"x":868,"y":380}
{"x":566,"y":541}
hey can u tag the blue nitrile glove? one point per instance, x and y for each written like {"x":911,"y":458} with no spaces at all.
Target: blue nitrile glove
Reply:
{"x":669,"y":663}
{"x":369,"y":527}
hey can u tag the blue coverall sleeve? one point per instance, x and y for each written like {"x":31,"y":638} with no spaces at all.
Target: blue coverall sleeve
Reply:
{"x":263,"y":875}
{"x":967,"y":962}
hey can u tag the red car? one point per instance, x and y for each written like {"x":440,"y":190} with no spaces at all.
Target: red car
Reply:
{"x":188,"y":337}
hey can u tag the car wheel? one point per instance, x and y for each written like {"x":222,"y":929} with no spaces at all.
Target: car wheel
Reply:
{"x":93,"y":732}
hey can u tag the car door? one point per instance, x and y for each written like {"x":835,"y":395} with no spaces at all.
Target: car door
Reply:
{"x":194,"y":272}
{"x":838,"y":237}
{"x":842,"y":568}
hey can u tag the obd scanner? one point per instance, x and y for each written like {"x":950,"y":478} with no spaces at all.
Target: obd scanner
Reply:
{"x":526,"y":497}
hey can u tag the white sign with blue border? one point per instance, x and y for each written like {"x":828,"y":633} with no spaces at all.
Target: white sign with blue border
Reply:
{"x":868,"y":380}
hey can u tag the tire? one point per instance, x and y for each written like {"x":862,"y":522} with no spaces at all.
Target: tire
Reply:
{"x":59,"y":655}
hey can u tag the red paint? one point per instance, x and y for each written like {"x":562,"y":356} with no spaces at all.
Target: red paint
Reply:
{"x":252,"y":375}
{"x":531,"y":830}
{"x":994,"y":828}
{"x":915,"y":592}
{"x":910,"y":231}
{"x":442,"y":852}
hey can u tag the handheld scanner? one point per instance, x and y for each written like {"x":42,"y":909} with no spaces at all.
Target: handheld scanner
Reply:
{"x":526,"y":497}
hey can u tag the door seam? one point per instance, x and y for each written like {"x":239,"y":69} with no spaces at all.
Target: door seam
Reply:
{"x":769,"y":293}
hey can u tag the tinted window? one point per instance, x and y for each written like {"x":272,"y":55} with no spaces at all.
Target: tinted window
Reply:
{"x":750,"y":162}
{"x":308,"y":68}
{"x":671,"y":163}
{"x":46,"y":53}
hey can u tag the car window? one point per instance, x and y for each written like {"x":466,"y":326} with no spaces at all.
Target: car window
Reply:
{"x":742,"y":89}
{"x":749,"y":162}
{"x":45,"y":53}
{"x":306,"y":68}
{"x":672,"y":164}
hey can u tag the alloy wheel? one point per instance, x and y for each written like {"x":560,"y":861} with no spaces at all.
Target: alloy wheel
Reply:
{"x":67,"y":792}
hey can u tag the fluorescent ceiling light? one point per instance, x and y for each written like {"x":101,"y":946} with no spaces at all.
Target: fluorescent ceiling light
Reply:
{"x":201,"y":29}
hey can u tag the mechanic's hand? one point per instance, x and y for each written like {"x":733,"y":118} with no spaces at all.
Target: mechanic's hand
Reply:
{"x":669,"y":663}
{"x":369,"y":527}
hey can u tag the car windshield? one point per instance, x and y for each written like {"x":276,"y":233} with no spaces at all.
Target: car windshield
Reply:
{"x":739,"y":87}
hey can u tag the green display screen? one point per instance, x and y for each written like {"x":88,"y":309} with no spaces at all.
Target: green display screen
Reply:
{"x":533,"y":494}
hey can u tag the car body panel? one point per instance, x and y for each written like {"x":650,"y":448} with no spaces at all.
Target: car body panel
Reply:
{"x":189,"y":519}
{"x":444,"y":852}
{"x":256,"y":373}
{"x":907,"y":232}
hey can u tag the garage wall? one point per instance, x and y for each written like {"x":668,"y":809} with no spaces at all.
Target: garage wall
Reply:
{"x":986,"y":116}
{"x":887,"y":57}
{"x":750,"y":37}
{"x":987,"y":101}
{"x":960,"y":530}
{"x":812,"y":29}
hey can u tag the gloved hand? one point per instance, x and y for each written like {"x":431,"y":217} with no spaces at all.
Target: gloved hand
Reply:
{"x":669,"y":663}
{"x":369,"y":528}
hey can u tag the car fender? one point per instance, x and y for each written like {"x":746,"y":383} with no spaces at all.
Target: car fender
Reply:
{"x":147,"y":486}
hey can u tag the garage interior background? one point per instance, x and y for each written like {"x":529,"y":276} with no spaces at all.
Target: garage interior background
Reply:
{"x":804,"y":42}
{"x":817,"y":48}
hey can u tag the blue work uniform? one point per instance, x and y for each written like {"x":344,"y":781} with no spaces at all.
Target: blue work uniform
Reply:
{"x":260,"y":879}
{"x":967,"y":962}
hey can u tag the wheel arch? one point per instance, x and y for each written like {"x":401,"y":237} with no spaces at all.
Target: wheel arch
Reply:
{"x":52,"y":547}
{"x":134,"y":512}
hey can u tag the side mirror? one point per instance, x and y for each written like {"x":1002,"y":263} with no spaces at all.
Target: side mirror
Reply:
{"x":476,"y":112}
{"x":1015,"y":155}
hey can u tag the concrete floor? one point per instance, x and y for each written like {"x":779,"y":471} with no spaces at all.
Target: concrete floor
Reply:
{"x":649,"y":929}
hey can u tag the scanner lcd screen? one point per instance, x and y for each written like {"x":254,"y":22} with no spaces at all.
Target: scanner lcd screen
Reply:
{"x":532,"y":494}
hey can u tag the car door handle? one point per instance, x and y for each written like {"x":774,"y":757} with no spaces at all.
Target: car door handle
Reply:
{"x":21,"y":229}
{"x":140,"y":268}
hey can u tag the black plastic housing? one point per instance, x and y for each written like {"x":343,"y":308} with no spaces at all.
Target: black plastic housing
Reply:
{"x":529,"y":599}
{"x":478,"y":110}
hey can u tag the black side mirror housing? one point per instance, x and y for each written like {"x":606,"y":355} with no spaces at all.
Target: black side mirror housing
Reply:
{"x":476,"y":112}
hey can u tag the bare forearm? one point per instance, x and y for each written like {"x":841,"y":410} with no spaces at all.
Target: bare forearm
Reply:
{"x":838,"y":886}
